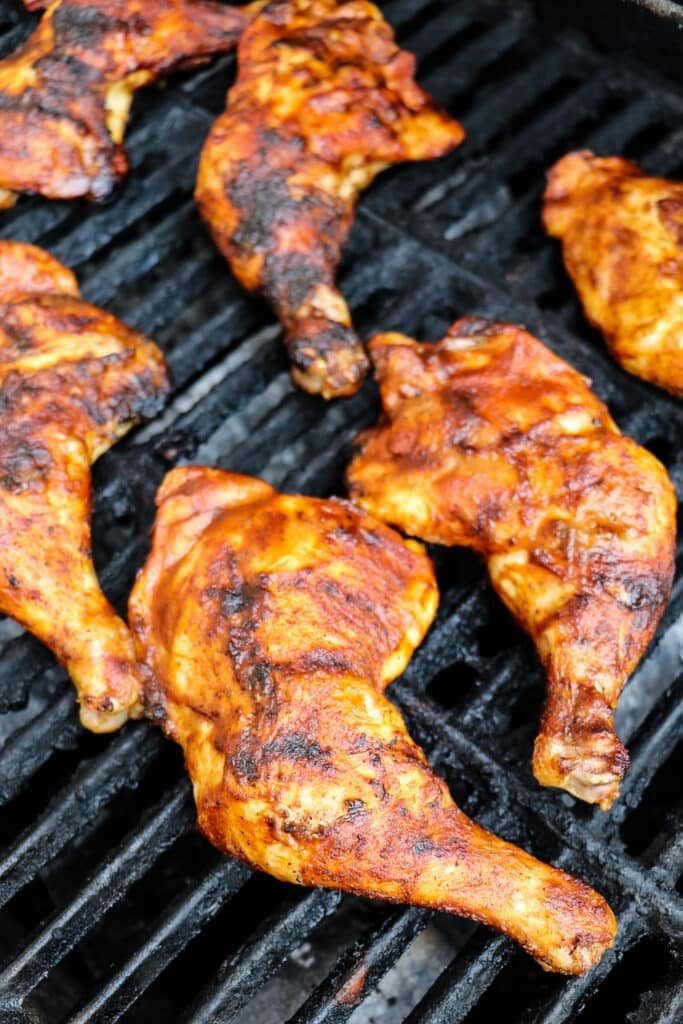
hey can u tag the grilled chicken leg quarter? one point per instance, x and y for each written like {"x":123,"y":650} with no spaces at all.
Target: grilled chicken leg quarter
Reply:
{"x":65,"y":95}
{"x":72,"y":381}
{"x":324,"y":101}
{"x":622,"y":239}
{"x":270,"y":625}
{"x":490,"y":441}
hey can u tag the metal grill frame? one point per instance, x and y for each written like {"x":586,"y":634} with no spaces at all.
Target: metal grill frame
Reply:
{"x":469,"y":241}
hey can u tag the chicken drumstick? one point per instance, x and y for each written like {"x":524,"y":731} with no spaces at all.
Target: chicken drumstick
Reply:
{"x":324,"y":101}
{"x":269,"y":626}
{"x":490,"y":441}
{"x":72,"y":381}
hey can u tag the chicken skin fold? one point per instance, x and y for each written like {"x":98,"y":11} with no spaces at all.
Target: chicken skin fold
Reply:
{"x":72,"y":381}
{"x":324,"y":101}
{"x":65,"y":95}
{"x":622,"y":242}
{"x":490,"y":441}
{"x":269,"y":626}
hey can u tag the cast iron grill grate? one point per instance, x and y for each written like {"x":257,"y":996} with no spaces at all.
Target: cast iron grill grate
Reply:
{"x":112,"y":906}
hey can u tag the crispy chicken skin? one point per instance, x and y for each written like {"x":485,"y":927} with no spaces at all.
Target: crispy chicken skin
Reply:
{"x":270,"y":625}
{"x":72,"y":381}
{"x":622,"y":241}
{"x":324,"y":101}
{"x":65,"y":94}
{"x":490,"y":441}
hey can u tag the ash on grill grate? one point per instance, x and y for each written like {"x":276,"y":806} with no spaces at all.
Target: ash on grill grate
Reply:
{"x":111,"y":906}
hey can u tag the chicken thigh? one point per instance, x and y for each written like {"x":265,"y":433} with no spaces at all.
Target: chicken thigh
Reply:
{"x":72,"y":381}
{"x":622,"y":240}
{"x":269,"y":626}
{"x":65,"y":95}
{"x":490,"y":441}
{"x":324,"y":101}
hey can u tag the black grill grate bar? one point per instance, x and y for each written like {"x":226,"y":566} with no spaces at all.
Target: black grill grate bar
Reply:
{"x":31,"y":746}
{"x":99,"y":230}
{"x":18,"y":671}
{"x":443,"y":644}
{"x":77,"y":806}
{"x":215,"y":77}
{"x":670,"y":1011}
{"x":12,"y":40}
{"x":653,"y":744}
{"x":489,"y":118}
{"x":607,"y":138}
{"x":161,"y":827}
{"x":321,"y":471}
{"x":240,"y":977}
{"x":123,"y":267}
{"x":401,"y":14}
{"x":360,"y":970}
{"x":670,"y":859}
{"x":234,"y":334}
{"x":235,"y":361}
{"x":445,"y":24}
{"x":327,"y":436}
{"x":461,"y":985}
{"x":168,"y":299}
{"x":9,"y":17}
{"x":542,"y":134}
{"x":665,"y":157}
{"x":526,"y":87}
{"x":261,"y":412}
{"x":188,"y":915}
{"x":449,"y":79}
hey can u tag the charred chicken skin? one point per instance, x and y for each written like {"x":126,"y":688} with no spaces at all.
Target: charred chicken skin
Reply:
{"x":270,"y":625}
{"x":622,"y":240}
{"x":490,"y":441}
{"x":72,"y":381}
{"x":323,"y":102}
{"x":65,"y":95}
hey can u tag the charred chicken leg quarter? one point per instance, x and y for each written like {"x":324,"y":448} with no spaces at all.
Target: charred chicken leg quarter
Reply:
{"x":622,"y":237}
{"x":324,"y":101}
{"x":65,"y":95}
{"x":270,"y":625}
{"x":490,"y":441}
{"x":72,"y":381}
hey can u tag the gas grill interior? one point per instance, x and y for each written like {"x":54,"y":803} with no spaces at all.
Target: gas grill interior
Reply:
{"x":113,"y":907}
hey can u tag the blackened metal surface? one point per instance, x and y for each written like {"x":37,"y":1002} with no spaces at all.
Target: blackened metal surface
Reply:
{"x":111,"y":906}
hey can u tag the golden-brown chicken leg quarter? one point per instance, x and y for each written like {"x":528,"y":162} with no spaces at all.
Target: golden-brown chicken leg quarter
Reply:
{"x":491,"y":441}
{"x":65,"y":95}
{"x":323,"y":102}
{"x":72,"y":380}
{"x":622,"y":242}
{"x":269,"y":625}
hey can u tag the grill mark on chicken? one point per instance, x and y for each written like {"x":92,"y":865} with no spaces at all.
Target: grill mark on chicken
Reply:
{"x":576,"y":522}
